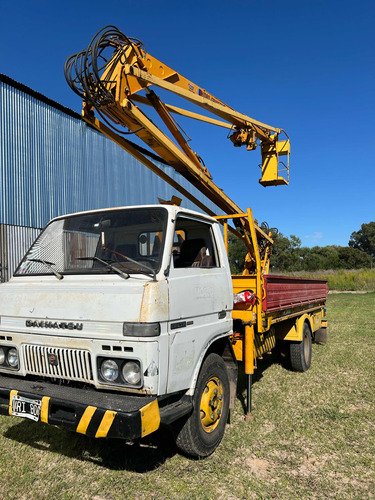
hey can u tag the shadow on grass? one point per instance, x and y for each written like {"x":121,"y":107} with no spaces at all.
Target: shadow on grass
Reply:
{"x":139,"y":456}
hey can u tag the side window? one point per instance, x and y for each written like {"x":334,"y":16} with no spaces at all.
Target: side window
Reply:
{"x":193,"y":244}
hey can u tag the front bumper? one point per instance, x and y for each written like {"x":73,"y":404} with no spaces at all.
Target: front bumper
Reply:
{"x":94,"y":413}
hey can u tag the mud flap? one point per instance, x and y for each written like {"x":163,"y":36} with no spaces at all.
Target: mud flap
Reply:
{"x":320,"y":336}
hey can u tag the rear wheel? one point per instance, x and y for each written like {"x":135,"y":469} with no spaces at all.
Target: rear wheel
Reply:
{"x":204,"y":429}
{"x":300,"y":352}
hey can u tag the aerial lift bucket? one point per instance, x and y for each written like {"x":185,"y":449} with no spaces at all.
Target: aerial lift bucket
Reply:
{"x":271,"y":163}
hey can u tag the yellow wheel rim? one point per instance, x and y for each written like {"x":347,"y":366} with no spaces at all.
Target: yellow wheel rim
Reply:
{"x":211,"y":404}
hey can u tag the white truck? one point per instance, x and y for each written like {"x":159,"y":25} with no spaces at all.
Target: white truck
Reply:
{"x":119,"y":320}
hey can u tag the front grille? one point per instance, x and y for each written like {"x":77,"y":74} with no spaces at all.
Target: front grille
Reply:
{"x":68,"y":364}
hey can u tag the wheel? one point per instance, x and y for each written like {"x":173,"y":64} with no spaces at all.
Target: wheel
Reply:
{"x":204,"y":429}
{"x":300,"y":352}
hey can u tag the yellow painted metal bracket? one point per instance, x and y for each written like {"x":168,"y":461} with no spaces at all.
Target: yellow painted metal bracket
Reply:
{"x":44,"y":409}
{"x":150,"y":417}
{"x":12,"y":393}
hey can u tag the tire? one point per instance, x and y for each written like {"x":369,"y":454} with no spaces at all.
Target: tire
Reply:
{"x":204,"y":429}
{"x":300,"y":352}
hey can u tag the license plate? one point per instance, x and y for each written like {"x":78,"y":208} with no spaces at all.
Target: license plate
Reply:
{"x":26,"y":408}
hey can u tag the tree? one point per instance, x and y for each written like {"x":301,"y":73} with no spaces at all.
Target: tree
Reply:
{"x":313,"y":259}
{"x":353,"y":258}
{"x":364,"y":239}
{"x":237,"y":254}
{"x":286,"y":254}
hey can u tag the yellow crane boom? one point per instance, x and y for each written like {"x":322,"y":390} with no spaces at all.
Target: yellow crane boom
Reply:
{"x":110,"y":76}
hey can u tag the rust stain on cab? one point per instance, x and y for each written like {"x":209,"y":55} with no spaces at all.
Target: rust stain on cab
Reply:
{"x":154,"y":305}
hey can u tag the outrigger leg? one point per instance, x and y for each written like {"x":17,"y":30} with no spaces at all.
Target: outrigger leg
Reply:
{"x":249,"y":367}
{"x":249,"y":416}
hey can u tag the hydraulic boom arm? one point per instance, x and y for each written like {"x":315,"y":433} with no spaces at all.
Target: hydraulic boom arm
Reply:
{"x":109,"y":77}
{"x":111,"y":83}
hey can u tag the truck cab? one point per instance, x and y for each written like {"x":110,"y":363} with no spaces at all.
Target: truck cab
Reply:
{"x":114,"y":313}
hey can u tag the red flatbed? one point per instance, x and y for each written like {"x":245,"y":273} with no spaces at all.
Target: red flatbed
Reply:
{"x":284,"y":292}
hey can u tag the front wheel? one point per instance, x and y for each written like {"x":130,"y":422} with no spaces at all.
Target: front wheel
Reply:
{"x":300,"y":352}
{"x":204,"y":429}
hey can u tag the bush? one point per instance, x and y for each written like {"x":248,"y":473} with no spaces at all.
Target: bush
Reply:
{"x":343,"y":280}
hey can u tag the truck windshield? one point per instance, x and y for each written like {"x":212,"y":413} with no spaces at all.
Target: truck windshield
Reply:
{"x":133,"y":243}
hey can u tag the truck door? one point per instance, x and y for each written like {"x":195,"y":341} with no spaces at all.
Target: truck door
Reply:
{"x":200,"y":296}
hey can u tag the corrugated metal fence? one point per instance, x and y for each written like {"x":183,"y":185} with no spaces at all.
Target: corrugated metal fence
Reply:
{"x":53,"y":163}
{"x":14,"y":242}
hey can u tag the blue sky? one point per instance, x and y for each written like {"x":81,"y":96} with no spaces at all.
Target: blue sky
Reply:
{"x":305,"y":66}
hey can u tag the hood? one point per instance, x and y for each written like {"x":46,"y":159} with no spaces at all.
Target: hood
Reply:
{"x":47,"y":305}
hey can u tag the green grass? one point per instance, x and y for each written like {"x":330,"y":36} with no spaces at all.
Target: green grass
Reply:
{"x":312,"y":436}
{"x":343,"y":280}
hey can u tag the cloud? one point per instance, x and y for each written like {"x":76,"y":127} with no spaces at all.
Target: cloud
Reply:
{"x":316,"y":236}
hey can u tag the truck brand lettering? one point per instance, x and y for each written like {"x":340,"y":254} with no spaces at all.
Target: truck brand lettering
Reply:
{"x":54,"y":324}
{"x":203,"y":292}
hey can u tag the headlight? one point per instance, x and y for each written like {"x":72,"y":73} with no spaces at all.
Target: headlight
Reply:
{"x":109,"y":370}
{"x":13,"y":357}
{"x":2,"y":356}
{"x":131,"y":371}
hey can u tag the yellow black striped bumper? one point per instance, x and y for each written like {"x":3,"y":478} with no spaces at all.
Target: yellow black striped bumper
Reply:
{"x":86,"y":411}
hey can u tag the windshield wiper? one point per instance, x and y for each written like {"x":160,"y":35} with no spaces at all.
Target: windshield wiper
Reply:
{"x":108,"y":264}
{"x":49,"y":265}
{"x":145,"y":269}
{"x":148,"y":269}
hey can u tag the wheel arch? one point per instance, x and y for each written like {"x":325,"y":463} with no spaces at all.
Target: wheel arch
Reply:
{"x":291,"y":330}
{"x":223,"y":347}
{"x":300,"y":322}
